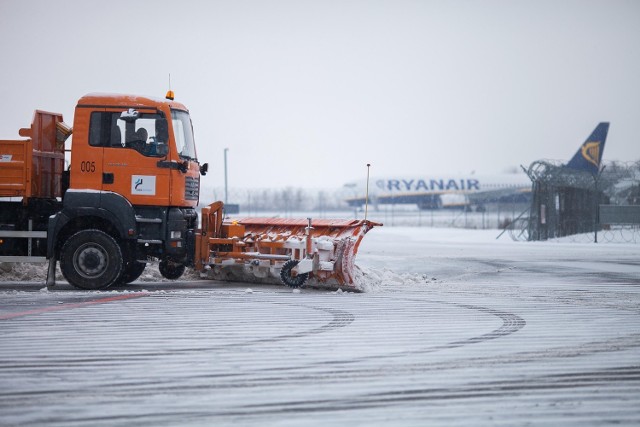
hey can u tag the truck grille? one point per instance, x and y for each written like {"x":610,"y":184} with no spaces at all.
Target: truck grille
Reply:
{"x":191,"y":188}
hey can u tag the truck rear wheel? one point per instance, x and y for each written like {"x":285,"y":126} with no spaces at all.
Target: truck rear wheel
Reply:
{"x":170,"y":270}
{"x":91,"y":259}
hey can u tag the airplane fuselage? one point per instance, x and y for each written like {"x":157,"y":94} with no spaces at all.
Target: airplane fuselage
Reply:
{"x":439,"y":191}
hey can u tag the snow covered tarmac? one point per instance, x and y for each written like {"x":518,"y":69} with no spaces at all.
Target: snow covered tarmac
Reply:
{"x":455,"y":328}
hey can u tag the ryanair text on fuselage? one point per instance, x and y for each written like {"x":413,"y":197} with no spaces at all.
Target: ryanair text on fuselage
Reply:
{"x":466,"y":184}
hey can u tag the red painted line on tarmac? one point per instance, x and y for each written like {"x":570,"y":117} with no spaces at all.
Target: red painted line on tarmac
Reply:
{"x":71,"y":306}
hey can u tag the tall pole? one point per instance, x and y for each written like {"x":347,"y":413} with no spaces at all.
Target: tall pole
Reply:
{"x":226,"y":188}
{"x":366,"y":197}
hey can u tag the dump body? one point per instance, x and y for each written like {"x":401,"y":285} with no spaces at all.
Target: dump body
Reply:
{"x":32,"y":181}
{"x":33,"y":167}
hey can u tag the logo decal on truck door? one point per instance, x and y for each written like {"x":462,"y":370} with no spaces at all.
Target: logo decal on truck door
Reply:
{"x":143,"y":185}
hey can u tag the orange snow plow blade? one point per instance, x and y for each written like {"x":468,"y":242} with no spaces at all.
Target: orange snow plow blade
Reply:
{"x":273,"y":250}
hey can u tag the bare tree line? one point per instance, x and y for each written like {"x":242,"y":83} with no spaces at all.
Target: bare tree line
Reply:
{"x":286,"y":199}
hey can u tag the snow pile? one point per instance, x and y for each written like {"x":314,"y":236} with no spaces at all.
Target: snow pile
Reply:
{"x":374,"y":280}
{"x":365,"y":279}
{"x":152,"y":274}
{"x":27,"y":272}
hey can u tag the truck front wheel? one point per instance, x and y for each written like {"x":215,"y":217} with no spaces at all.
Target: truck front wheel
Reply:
{"x":91,"y":259}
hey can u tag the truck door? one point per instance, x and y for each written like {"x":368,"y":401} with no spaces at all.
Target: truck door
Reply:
{"x":137,"y":142}
{"x":86,"y":156}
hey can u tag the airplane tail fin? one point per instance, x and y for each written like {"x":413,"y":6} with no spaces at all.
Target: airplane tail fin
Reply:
{"x":590,"y":152}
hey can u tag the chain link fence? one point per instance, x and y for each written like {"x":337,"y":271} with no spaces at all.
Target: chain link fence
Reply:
{"x":566,"y":204}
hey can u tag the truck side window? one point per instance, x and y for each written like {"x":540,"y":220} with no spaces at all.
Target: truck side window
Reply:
{"x":99,"y":131}
{"x":104,"y":130}
{"x":142,"y":134}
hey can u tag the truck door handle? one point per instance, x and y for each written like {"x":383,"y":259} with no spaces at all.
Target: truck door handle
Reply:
{"x":107,"y":178}
{"x":181,"y":166}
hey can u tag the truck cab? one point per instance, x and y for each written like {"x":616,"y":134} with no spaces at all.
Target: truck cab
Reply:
{"x":134,"y":183}
{"x":140,"y":148}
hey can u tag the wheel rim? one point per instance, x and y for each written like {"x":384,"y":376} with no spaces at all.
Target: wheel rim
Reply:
{"x":90,"y":260}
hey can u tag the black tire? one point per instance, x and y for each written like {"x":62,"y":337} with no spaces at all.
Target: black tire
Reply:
{"x":170,"y":270}
{"x":91,"y":259}
{"x":288,"y":279}
{"x":132,"y":271}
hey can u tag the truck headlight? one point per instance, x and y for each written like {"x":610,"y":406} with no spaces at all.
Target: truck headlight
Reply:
{"x":175,"y":235}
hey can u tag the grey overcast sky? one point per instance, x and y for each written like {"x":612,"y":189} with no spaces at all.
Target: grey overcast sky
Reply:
{"x":305,"y":93}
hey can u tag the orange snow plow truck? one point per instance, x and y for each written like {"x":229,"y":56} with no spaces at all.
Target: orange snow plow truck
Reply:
{"x":130,"y":196}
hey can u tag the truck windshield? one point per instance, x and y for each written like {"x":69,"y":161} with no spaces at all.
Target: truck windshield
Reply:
{"x":183,"y":132}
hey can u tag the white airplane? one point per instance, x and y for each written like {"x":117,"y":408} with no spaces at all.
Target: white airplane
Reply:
{"x":440,"y":191}
{"x":459,"y":191}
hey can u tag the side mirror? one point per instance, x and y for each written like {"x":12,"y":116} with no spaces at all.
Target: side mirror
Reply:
{"x":204,"y":169}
